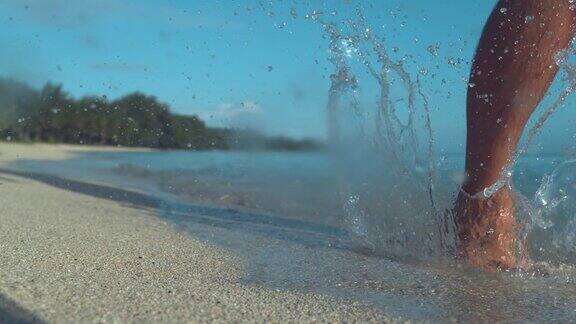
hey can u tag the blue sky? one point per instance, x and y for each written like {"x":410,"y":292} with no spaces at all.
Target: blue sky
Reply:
{"x":238,"y":63}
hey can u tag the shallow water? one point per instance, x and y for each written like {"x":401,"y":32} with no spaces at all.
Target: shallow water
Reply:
{"x":293,"y":184}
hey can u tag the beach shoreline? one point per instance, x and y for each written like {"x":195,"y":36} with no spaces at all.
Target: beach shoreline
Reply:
{"x":81,"y":248}
{"x":73,"y":257}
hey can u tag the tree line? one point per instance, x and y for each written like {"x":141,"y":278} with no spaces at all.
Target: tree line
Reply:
{"x":134,"y":120}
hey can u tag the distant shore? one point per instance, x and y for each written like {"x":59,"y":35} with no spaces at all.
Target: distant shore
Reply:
{"x":52,"y":115}
{"x":73,"y":257}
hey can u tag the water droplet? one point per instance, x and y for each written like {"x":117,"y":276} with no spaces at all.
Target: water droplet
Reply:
{"x":433,"y":49}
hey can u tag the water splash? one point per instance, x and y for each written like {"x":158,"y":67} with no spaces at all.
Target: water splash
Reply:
{"x":570,"y":77}
{"x":392,"y":193}
{"x":383,"y":160}
{"x":395,"y":219}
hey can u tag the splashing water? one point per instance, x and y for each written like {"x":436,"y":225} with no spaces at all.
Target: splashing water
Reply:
{"x":570,"y":71}
{"x":385,"y":172}
{"x":396,"y":199}
{"x":549,"y":218}
{"x":388,"y":176}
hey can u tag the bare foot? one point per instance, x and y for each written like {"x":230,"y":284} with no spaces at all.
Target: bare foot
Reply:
{"x":487,"y":232}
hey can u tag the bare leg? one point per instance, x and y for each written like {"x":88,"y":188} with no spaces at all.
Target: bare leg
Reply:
{"x":512,"y":70}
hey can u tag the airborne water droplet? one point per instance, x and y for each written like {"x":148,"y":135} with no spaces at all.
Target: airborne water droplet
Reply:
{"x":433,"y":49}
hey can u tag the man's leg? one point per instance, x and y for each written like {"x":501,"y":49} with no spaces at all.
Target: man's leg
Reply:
{"x":512,"y":70}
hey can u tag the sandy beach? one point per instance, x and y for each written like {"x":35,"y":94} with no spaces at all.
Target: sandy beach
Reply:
{"x":72,"y":257}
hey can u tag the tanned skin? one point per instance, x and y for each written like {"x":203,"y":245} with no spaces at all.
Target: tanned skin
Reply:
{"x":515,"y":64}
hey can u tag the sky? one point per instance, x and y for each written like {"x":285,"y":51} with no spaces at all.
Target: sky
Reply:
{"x":253,"y":63}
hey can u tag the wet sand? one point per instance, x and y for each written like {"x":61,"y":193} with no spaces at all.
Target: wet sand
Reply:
{"x":70,"y":256}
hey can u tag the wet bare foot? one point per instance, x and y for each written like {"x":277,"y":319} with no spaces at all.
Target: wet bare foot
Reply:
{"x":487,"y":232}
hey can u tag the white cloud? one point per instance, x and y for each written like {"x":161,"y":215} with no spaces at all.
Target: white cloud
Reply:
{"x":247,"y":114}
